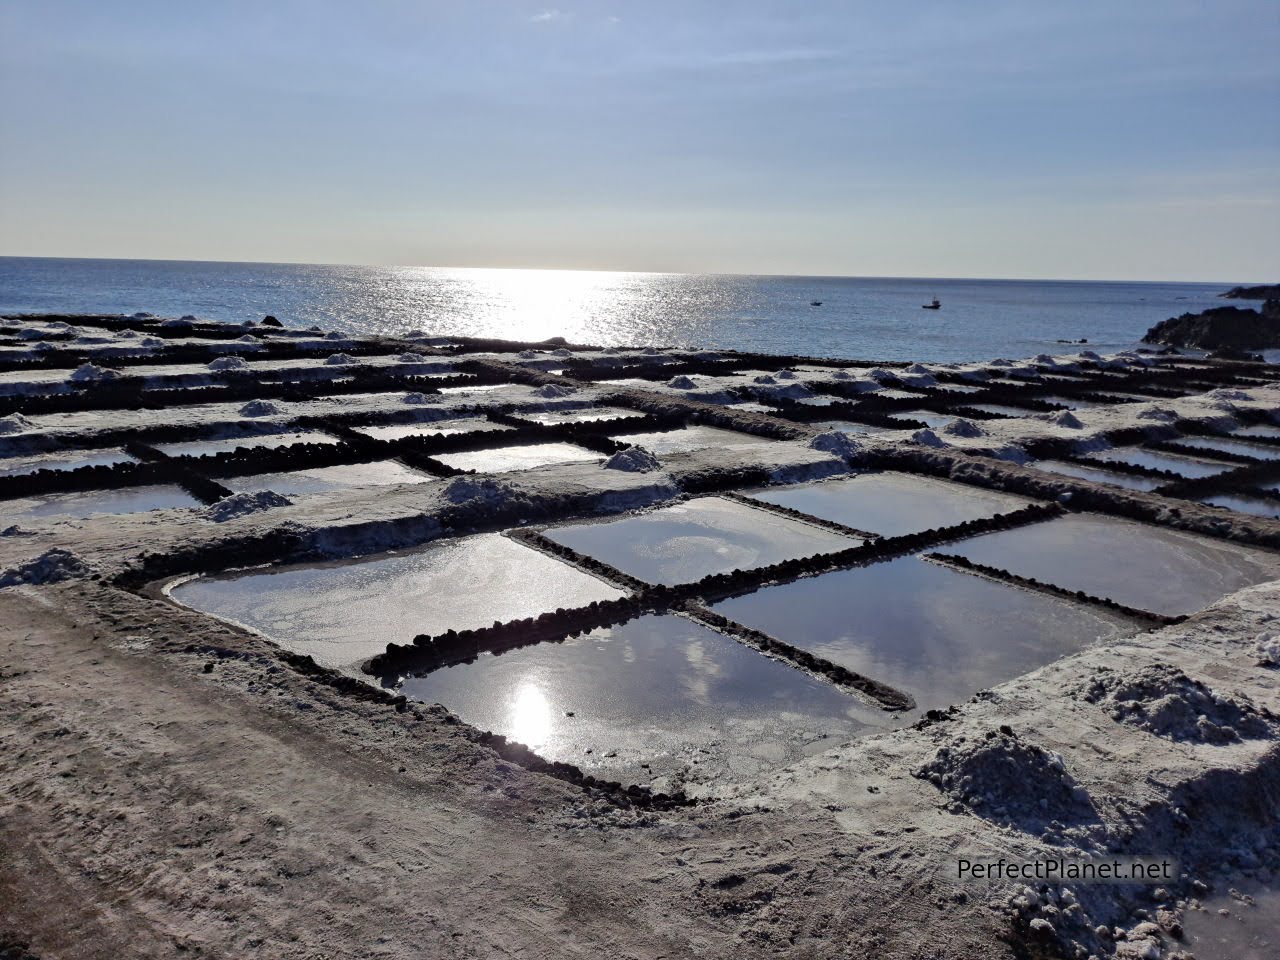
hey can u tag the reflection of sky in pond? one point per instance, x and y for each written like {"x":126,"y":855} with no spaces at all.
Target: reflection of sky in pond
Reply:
{"x":61,"y":506}
{"x":939,"y":634}
{"x":525,"y":456}
{"x":686,"y":439}
{"x":327,"y":479}
{"x":1257,"y":506}
{"x":892,"y":504}
{"x":1151,"y":568}
{"x":688,"y":541}
{"x":344,"y":612}
{"x":656,"y":689}
{"x":396,"y":431}
{"x":63,"y":460}
{"x":1099,"y":475}
{"x":1183,"y":466}
{"x":1256,"y":450}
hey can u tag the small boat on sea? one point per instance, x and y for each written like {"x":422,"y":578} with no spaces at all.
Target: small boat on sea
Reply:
{"x":815,"y":303}
{"x":934,"y":304}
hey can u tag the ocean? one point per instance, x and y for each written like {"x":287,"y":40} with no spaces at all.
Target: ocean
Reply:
{"x":871,"y":318}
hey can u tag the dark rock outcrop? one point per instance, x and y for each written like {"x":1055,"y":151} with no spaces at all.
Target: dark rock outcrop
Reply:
{"x":1230,"y":328}
{"x":1266,"y":291}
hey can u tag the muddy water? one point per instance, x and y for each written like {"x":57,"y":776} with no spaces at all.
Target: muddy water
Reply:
{"x":1189,"y":467}
{"x":660,"y":690}
{"x":688,"y":541}
{"x":1151,"y":568}
{"x":327,"y":479}
{"x":436,"y":428}
{"x":939,"y":634}
{"x":686,"y":439}
{"x":343,"y":613}
{"x":63,"y":506}
{"x":63,"y":460}
{"x":523,"y":457}
{"x":1098,"y":475}
{"x":1249,"y":930}
{"x":200,"y":448}
{"x":892,"y":504}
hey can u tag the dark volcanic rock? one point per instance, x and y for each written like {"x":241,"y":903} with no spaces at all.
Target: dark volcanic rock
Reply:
{"x":1266,"y":291}
{"x":1233,"y":328}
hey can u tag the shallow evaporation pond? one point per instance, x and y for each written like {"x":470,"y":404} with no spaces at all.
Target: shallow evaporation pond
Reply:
{"x":688,"y":541}
{"x":939,"y":634}
{"x":1258,"y":451}
{"x":1099,"y":475}
{"x":327,"y":479}
{"x":63,"y":460}
{"x":752,"y":406}
{"x":1071,"y":403}
{"x":344,"y":612}
{"x":658,"y":690}
{"x":850,"y":426}
{"x":432,"y":428}
{"x":819,"y":400}
{"x":62,"y":506}
{"x":1188,"y":467}
{"x":893,"y":393}
{"x":959,"y":388}
{"x":934,"y":421}
{"x":1256,"y":506}
{"x":1249,"y":930}
{"x":1000,"y":408}
{"x":688,"y":439}
{"x":1151,"y":568}
{"x":1257,"y":430}
{"x":892,"y":504}
{"x":586,"y":415}
{"x":200,"y":448}
{"x":522,"y":457}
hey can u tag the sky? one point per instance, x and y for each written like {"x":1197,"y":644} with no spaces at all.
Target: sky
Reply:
{"x":1108,"y":140}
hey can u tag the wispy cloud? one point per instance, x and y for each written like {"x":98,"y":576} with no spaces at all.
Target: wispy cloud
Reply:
{"x":547,"y":16}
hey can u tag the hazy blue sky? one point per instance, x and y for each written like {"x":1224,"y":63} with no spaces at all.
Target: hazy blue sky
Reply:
{"x":1069,"y":139}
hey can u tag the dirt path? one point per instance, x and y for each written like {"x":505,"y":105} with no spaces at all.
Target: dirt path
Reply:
{"x":148,"y":813}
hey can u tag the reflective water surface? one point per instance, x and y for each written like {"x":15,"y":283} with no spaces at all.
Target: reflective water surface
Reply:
{"x":63,"y":460}
{"x":1249,"y":930}
{"x":1099,"y":475}
{"x":432,"y":428}
{"x":523,"y":457}
{"x":1151,"y":568}
{"x":1256,"y":450}
{"x":688,"y":541}
{"x":685,"y":439}
{"x":939,"y":634}
{"x":327,"y":479}
{"x":660,"y":690}
{"x":344,"y":612}
{"x":1189,"y":467}
{"x":62,"y":506}
{"x":200,"y":448}
{"x":892,"y":504}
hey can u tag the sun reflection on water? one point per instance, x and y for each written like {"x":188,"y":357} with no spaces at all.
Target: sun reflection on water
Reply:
{"x":530,"y":716}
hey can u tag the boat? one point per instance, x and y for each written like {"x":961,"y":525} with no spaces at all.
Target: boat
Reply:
{"x":815,"y":303}
{"x":934,"y":304}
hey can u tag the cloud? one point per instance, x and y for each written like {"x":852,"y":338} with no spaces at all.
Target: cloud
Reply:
{"x":547,"y":16}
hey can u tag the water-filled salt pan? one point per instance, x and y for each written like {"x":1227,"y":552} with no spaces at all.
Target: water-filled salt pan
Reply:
{"x":686,"y":439}
{"x":327,"y":479}
{"x":892,"y":504}
{"x":63,"y":460}
{"x":1099,"y":475}
{"x":660,"y":690}
{"x":62,"y":506}
{"x":200,"y":448}
{"x":1189,"y":467}
{"x":433,"y":428}
{"x":345,"y":612}
{"x":1151,"y":568}
{"x":937,"y":633}
{"x":688,"y":541}
{"x":523,"y":457}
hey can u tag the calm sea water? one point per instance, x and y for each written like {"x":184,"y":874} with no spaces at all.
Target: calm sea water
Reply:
{"x":860,"y":317}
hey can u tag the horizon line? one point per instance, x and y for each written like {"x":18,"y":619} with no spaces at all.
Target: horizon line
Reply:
{"x":668,"y":273}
